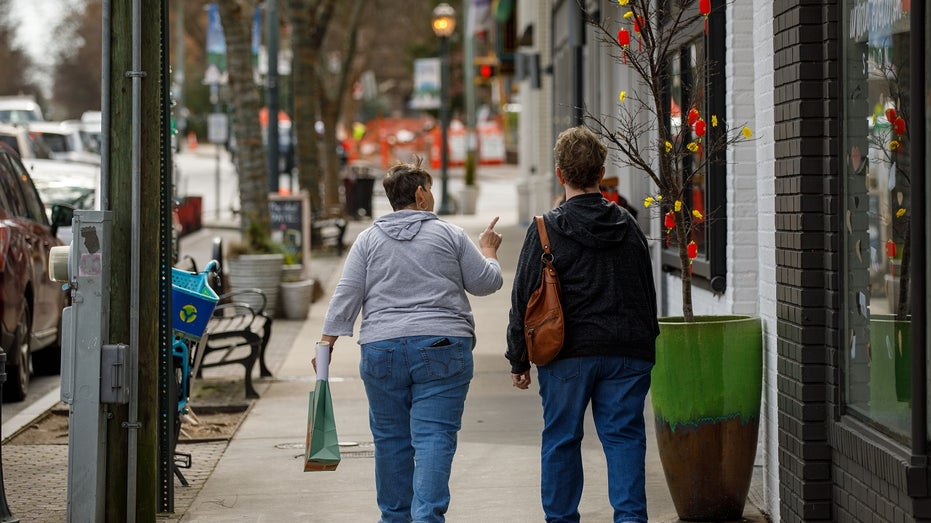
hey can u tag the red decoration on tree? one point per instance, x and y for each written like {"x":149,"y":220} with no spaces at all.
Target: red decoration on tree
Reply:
{"x":623,"y":38}
{"x":700,"y":127}
{"x":890,"y":253}
{"x":890,"y":115}
{"x":670,"y":220}
{"x":693,"y":250}
{"x":899,"y":126}
{"x":704,"y":7}
{"x":638,"y":23}
{"x":693,"y":116}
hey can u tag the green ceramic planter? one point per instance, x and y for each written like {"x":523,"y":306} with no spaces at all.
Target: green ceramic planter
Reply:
{"x":890,"y":363}
{"x":705,"y":391}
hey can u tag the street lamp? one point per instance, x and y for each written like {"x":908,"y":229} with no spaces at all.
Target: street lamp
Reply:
{"x":444,"y":23}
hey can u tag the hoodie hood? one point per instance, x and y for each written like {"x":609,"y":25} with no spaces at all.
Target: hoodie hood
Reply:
{"x":592,"y":221}
{"x":403,"y":225}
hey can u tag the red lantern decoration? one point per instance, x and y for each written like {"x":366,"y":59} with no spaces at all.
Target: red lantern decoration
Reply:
{"x":670,"y":220}
{"x":899,"y":126}
{"x":693,"y":250}
{"x":700,"y":127}
{"x":693,"y":116}
{"x":623,"y":38}
{"x":890,"y":253}
{"x":704,"y":7}
{"x":890,"y":115}
{"x":638,"y":23}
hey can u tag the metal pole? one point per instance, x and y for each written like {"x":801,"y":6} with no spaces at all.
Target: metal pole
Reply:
{"x":5,"y":515}
{"x":215,"y":98}
{"x":444,"y":125}
{"x":271,"y":92}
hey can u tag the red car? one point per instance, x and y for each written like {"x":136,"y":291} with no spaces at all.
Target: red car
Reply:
{"x":30,"y":303}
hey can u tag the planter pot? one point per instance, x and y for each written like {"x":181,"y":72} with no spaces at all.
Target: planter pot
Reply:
{"x":890,"y":363}
{"x":292,"y":272}
{"x":706,"y":388}
{"x":295,"y":299}
{"x":468,"y":199}
{"x":257,"y":271}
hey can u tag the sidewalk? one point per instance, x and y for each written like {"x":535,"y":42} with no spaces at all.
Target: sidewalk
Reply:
{"x":496,"y":472}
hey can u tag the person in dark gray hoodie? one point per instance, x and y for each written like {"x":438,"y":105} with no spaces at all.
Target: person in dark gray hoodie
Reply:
{"x":609,"y":302}
{"x":408,"y":274}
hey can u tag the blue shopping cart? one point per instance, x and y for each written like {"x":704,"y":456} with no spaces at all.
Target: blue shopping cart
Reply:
{"x":192,"y":305}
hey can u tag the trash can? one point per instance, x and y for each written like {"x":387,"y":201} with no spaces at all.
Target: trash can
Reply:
{"x":358,"y":186}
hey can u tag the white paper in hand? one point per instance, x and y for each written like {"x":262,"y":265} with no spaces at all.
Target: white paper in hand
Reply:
{"x":323,"y":361}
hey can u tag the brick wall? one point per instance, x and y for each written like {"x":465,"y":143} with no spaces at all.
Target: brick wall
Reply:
{"x":762,"y":42}
{"x":805,"y":103}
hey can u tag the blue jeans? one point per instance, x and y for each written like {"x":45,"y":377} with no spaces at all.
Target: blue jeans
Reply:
{"x":616,"y":387}
{"x":416,"y":395}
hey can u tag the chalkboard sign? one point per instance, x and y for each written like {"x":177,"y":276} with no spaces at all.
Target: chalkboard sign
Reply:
{"x":290,"y":225}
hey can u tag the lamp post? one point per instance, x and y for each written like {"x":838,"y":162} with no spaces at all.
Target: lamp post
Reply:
{"x":444,"y":23}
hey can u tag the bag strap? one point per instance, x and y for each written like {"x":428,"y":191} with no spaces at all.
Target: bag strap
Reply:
{"x":544,"y":237}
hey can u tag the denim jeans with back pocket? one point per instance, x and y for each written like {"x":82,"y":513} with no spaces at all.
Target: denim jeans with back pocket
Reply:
{"x":416,"y":388}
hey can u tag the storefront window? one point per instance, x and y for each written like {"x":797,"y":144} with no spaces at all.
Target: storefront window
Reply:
{"x":876,"y":213}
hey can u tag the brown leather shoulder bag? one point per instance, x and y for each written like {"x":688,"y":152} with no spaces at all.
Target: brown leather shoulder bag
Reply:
{"x":544,"y":326}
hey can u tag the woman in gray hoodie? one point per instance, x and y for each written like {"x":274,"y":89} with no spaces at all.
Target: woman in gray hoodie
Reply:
{"x":409,"y":274}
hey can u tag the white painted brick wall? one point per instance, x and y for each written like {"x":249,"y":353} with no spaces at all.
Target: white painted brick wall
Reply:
{"x":762,"y":24}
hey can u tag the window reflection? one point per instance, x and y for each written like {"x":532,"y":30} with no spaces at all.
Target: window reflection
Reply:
{"x":876,"y":219}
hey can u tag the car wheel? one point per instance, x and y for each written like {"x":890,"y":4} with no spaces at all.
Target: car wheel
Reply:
{"x":17,"y":372}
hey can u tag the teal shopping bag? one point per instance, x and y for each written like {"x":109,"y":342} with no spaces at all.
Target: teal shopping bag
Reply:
{"x":322,"y":447}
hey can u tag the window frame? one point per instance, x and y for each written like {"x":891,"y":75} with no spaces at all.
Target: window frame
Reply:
{"x":709,"y":269}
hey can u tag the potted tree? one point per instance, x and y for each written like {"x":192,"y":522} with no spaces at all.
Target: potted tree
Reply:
{"x":706,"y":384}
{"x":256,"y":263}
{"x":468,"y":197}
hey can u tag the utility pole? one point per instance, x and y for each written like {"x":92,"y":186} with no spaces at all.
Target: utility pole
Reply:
{"x":138,"y":260}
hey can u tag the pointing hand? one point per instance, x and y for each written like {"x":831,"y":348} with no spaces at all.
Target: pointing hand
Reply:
{"x":489,"y":240}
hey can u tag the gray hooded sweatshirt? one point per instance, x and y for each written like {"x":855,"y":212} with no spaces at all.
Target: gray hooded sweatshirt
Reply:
{"x":409,"y":274}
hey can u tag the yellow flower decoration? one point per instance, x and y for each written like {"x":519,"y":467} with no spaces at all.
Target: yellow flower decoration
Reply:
{"x":747,"y":132}
{"x":629,"y":14}
{"x":623,"y":2}
{"x":714,"y":120}
{"x":678,"y":206}
{"x":622,"y":96}
{"x":697,"y":214}
{"x":900,"y":213}
{"x":659,"y":197}
{"x":893,"y":145}
{"x":692,"y":146}
{"x":668,"y":146}
{"x":648,"y":201}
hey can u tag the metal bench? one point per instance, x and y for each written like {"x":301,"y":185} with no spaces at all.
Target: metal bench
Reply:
{"x":237,"y":334}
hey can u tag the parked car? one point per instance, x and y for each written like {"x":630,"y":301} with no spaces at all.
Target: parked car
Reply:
{"x":67,"y":141}
{"x":24,"y":143}
{"x":76,"y":185}
{"x":30,"y":303}
{"x":91,"y":129}
{"x":20,"y":109}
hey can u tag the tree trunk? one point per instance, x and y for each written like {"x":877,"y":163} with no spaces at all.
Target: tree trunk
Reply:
{"x":309,"y":22}
{"x":250,"y":158}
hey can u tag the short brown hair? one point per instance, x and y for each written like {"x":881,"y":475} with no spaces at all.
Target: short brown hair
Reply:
{"x":580,"y":155}
{"x":401,"y":182}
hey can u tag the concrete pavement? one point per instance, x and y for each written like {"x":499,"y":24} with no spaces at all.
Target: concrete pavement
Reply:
{"x":496,"y":473}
